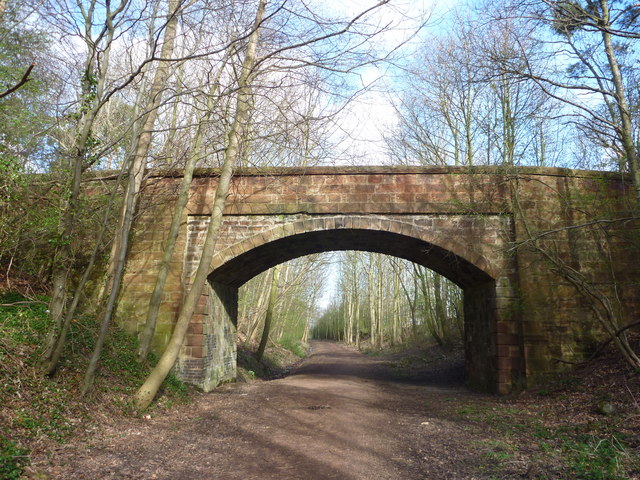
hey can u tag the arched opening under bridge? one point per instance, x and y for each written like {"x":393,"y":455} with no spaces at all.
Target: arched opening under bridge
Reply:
{"x":483,"y":303}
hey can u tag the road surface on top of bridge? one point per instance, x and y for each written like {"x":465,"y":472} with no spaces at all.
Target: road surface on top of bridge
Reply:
{"x":338,"y":415}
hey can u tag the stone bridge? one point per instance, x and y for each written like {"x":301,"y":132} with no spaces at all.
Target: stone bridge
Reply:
{"x":521,"y":317}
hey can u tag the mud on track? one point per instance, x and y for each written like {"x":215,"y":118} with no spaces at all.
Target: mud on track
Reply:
{"x":339,"y":415}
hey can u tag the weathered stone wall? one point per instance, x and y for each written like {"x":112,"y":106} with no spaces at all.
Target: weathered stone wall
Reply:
{"x":463,"y":223}
{"x":558,"y":321}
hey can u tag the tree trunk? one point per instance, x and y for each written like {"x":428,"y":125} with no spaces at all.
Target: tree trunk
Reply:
{"x":440,"y":317}
{"x":273,"y":297}
{"x":174,"y":229}
{"x":395,"y":310}
{"x":92,"y":89}
{"x":63,"y":256}
{"x":142,"y":143}
{"x":136,"y":172}
{"x":380,"y":304}
{"x":148,"y":390}
{"x":51,"y":361}
{"x":626,"y":129}
{"x":307,"y":325}
{"x":373,"y":325}
{"x":254,"y":322}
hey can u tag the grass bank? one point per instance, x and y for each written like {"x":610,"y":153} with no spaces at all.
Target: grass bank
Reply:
{"x":38,"y":412}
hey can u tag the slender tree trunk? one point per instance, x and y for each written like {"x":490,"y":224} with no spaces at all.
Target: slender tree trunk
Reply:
{"x":395,"y":309}
{"x":143,"y":143}
{"x":174,"y":229}
{"x":429,"y":314}
{"x":373,"y":325}
{"x":89,"y":106}
{"x":412,"y":304}
{"x":136,"y":172}
{"x":69,"y":212}
{"x":348,"y":324}
{"x":379,"y":303}
{"x":51,"y":362}
{"x":261,"y":303}
{"x":273,"y":297}
{"x":148,"y":390}
{"x":286,"y":303}
{"x":307,"y":325}
{"x":358,"y":325}
{"x":440,"y":316}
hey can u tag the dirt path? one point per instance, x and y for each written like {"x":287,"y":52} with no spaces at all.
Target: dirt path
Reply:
{"x":339,"y":415}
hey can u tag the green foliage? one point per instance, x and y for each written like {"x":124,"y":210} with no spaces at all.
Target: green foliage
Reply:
{"x":175,"y":387}
{"x":13,"y":459}
{"x":119,"y":359}
{"x":330,"y":326}
{"x":25,"y":112}
{"x":590,"y":452}
{"x":594,"y":458}
{"x":49,"y":408}
{"x":25,"y":323}
{"x":568,"y":16}
{"x":295,"y":346}
{"x":499,"y":452}
{"x":30,"y":227}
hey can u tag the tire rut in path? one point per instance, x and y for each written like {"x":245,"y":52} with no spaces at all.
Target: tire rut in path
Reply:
{"x":338,"y":415}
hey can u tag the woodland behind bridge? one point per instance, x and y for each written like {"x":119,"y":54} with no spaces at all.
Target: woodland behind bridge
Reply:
{"x":113,"y":91}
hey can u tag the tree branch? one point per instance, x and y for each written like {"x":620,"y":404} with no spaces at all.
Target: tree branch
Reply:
{"x":25,"y":78}
{"x":601,"y":221}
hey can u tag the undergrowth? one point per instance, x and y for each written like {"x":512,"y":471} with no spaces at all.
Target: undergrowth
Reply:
{"x":595,"y":451}
{"x":561,"y":421}
{"x":276,"y":362}
{"x":37,"y":410}
{"x":295,"y":346}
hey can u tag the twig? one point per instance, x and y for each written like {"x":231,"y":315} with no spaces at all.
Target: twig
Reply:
{"x":600,"y":347}
{"x":22,"y":303}
{"x":7,"y":274}
{"x":23,"y":80}
{"x":633,"y":398}
{"x":602,"y":221}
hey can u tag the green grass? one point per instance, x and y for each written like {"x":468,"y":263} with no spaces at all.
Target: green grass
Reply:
{"x":13,"y":459}
{"x":594,"y":458}
{"x":24,"y":323}
{"x":294,"y":346}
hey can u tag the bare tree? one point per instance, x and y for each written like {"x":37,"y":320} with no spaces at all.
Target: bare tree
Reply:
{"x":596,"y":39}
{"x":148,"y":390}
{"x":273,"y":297}
{"x":80,"y":155}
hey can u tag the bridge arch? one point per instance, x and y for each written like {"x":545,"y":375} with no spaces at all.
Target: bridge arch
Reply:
{"x":435,"y":242}
{"x":418,"y":243}
{"x":458,"y":221}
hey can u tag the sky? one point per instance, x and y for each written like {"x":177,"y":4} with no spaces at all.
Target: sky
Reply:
{"x":372,"y":114}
